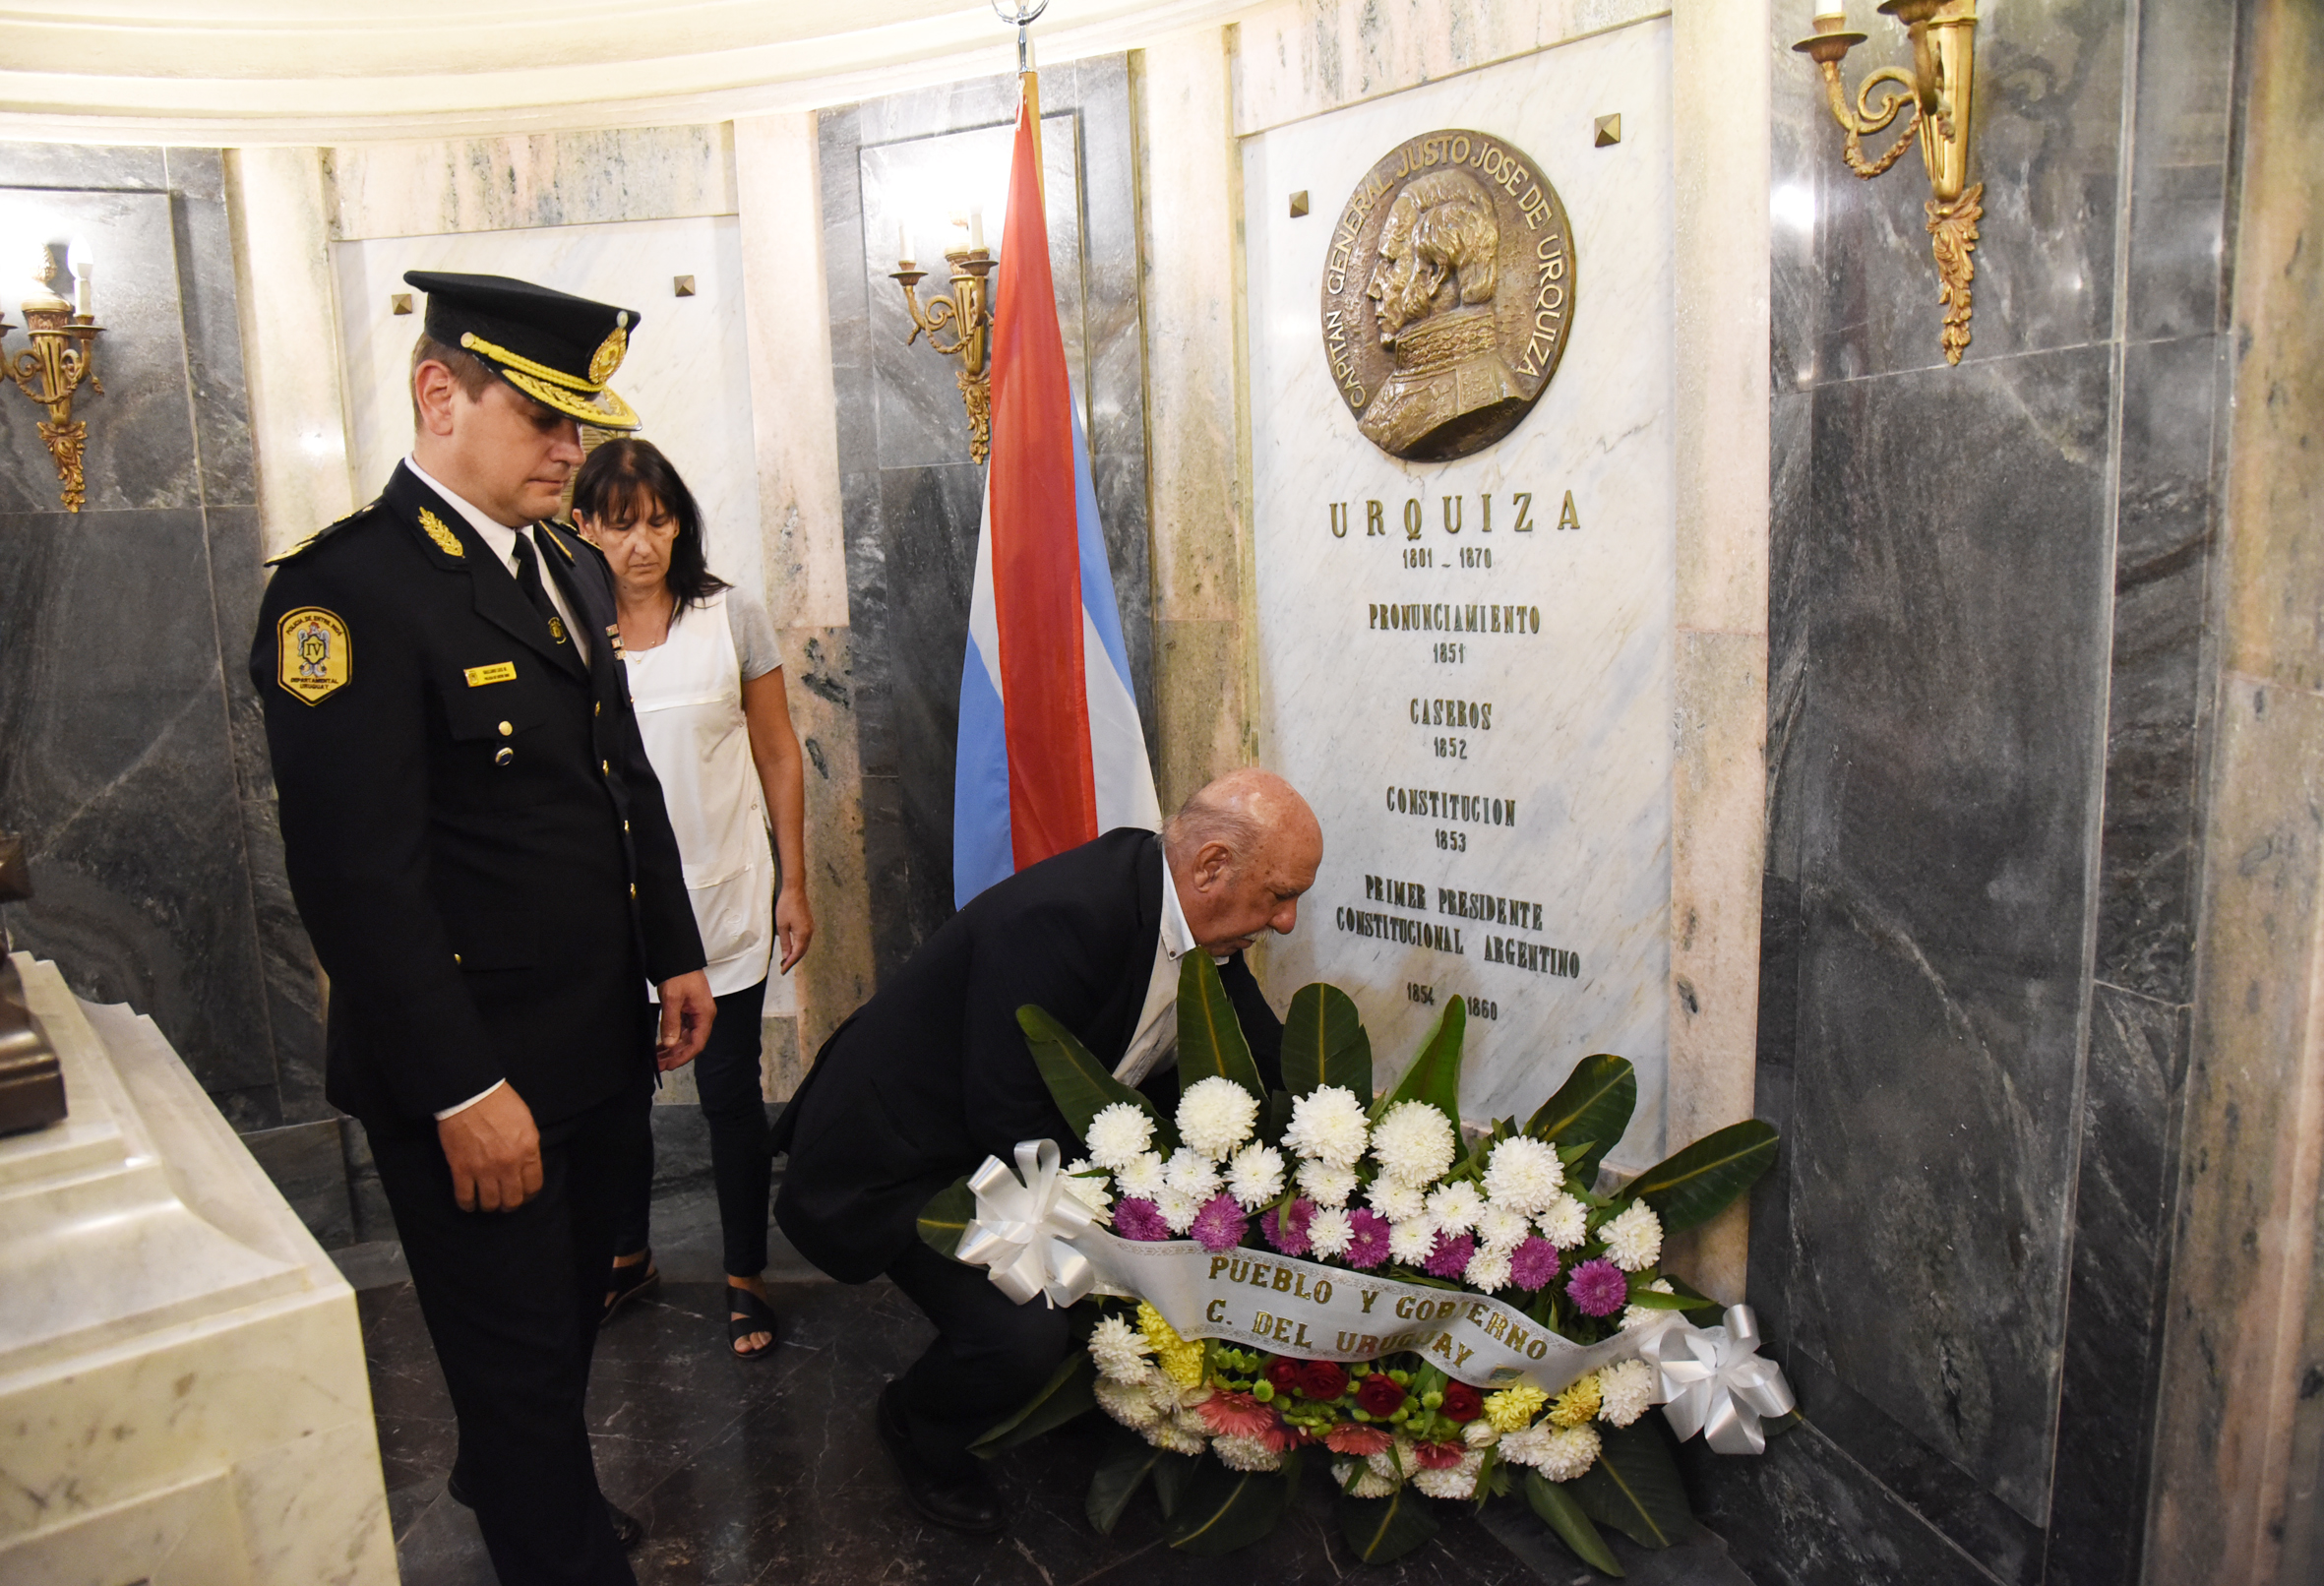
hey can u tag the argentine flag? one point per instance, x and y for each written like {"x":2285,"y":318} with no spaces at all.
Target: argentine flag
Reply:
{"x":1050,"y":750}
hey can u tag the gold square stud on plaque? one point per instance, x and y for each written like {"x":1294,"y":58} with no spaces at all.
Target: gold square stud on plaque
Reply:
{"x":682,"y":286}
{"x":399,"y":302}
{"x":1299,"y":204}
{"x":1608,"y":131}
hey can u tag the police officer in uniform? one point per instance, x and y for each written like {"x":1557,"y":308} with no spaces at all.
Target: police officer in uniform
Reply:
{"x":480,"y":853}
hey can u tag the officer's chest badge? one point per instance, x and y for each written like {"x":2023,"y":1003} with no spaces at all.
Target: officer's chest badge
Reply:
{"x":317,"y":657}
{"x":557,"y":630}
{"x":441,"y":532}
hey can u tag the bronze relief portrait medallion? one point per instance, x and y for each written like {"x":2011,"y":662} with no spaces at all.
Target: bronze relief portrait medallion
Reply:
{"x":1448,"y":294}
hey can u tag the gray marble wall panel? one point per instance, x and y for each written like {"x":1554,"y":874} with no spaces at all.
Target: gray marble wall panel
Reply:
{"x":910,"y":496}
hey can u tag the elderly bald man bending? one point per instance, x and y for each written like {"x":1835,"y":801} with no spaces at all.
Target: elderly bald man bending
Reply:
{"x":932,"y":1076}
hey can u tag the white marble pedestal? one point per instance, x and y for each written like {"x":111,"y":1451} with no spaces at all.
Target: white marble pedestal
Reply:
{"x":183,"y":1399}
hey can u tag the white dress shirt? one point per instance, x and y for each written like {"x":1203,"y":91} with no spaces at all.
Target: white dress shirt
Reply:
{"x":1155,"y":1046}
{"x":503,"y":540}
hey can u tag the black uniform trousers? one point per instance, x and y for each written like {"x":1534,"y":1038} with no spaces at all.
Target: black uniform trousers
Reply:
{"x":989,"y":1356}
{"x":513,"y":1301}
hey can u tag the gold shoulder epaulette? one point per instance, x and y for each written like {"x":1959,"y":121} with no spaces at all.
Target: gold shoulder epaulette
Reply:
{"x":558,"y":540}
{"x":318,"y":536}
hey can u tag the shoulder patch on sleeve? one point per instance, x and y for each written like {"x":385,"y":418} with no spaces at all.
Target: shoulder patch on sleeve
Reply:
{"x":315,"y":657}
{"x":318,"y":536}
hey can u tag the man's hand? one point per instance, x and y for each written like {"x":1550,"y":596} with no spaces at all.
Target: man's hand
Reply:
{"x":686,"y":1010}
{"x":493,"y":1151}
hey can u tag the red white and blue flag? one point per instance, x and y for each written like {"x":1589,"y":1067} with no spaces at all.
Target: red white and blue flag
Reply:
{"x":1050,"y":750}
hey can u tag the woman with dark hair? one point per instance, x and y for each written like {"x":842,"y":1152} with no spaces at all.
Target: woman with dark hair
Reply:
{"x":706,"y":678}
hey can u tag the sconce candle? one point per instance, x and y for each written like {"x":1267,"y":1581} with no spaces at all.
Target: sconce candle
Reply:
{"x":976,"y":227}
{"x":83,"y":260}
{"x":1831,"y":12}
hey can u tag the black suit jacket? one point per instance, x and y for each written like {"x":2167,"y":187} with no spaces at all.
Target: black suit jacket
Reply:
{"x":474,"y":837}
{"x":932,"y":1076}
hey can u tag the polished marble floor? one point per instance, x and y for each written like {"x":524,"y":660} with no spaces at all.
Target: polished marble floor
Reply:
{"x":770,"y":1471}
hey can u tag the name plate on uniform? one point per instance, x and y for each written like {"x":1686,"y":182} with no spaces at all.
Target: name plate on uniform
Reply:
{"x":496,"y":672}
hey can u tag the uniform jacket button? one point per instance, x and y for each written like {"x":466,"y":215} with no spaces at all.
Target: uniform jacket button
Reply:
{"x":605,"y":768}
{"x":506,"y":730}
{"x":633,"y":889}
{"x":504,"y":757}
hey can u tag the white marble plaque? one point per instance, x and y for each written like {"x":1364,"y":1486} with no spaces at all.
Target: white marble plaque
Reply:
{"x":1467,"y":666}
{"x":687,"y":373}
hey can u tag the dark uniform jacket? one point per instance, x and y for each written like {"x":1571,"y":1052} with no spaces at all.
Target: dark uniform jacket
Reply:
{"x":932,"y":1076}
{"x":475,"y":840}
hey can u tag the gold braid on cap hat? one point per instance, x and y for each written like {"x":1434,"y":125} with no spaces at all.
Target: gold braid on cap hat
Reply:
{"x":556,"y":389}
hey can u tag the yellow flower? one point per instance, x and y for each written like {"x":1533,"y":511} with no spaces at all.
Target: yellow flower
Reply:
{"x":1578,"y":1403}
{"x":1512,"y":1409}
{"x":1182,"y":1362}
{"x":1160,"y":1335}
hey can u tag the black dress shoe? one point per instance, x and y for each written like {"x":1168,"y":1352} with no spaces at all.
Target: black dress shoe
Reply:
{"x":628,"y":1529}
{"x":962,"y":1503}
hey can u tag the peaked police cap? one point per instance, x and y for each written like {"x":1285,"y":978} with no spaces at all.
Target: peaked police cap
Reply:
{"x":556,"y":349}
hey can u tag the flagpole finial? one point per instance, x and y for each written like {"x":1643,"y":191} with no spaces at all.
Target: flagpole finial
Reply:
{"x":1021,"y":15}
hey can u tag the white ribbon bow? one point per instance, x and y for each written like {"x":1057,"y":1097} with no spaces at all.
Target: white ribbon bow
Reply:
{"x":1713,"y":1382}
{"x":1021,"y":1230}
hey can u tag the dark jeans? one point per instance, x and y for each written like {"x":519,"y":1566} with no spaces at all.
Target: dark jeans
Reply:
{"x":989,"y":1356}
{"x":512,"y":1300}
{"x":727,"y":1075}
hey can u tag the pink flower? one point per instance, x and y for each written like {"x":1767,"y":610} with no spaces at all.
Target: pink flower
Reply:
{"x":1282,"y":1437}
{"x":1369,"y":1246}
{"x":1237,"y":1415}
{"x":1450,"y":1258}
{"x":1438,"y":1456}
{"x":1220,"y":1225}
{"x":1598,"y":1287}
{"x":1533,"y":1264}
{"x":1287,"y":1229}
{"x":1361,"y":1441}
{"x":1141,"y":1219}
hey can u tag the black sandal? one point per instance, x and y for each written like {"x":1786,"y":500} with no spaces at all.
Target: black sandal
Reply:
{"x":627,"y":1282}
{"x":756,"y":1317}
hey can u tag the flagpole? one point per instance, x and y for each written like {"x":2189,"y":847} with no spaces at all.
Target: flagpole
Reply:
{"x":1027,"y":78}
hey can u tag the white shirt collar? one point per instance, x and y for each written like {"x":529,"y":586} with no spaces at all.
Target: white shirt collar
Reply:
{"x":1177,"y":938}
{"x":499,"y":536}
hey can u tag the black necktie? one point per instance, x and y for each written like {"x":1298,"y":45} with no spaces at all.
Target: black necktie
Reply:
{"x":528,"y":579}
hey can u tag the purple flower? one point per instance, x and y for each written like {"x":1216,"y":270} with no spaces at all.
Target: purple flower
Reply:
{"x":1370,"y":1247}
{"x":1220,"y":1224}
{"x":1287,"y":1227}
{"x":1450,"y":1257}
{"x":1139,"y":1219}
{"x":1533,"y":1263}
{"x":1598,"y":1287}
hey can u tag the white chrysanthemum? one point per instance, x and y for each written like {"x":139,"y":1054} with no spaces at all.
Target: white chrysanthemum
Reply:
{"x":1455,"y":1482}
{"x":1178,"y":1209}
{"x":1256,"y":1175}
{"x":1215,"y":1115}
{"x":1118,"y":1135}
{"x":1634,"y":1238}
{"x":1331,"y":1232}
{"x":1192,"y":1173}
{"x":1120,"y":1351}
{"x":1326,"y":1184}
{"x":1560,"y":1453}
{"x":1367,"y":1482}
{"x":1480,"y":1434}
{"x":1487,"y":1269}
{"x":1328,"y":1126}
{"x":1387,"y":1461}
{"x":1190,"y":1421}
{"x":1144,"y":1177}
{"x":1524,"y":1175}
{"x":1091,"y":1190}
{"x":1398,"y":1202}
{"x":1127,"y":1402}
{"x":1413,"y":1142}
{"x":1635,"y":1317}
{"x":1503,"y":1229}
{"x":1565,"y":1222}
{"x":1625,"y":1391}
{"x":1163,"y":1434}
{"x":1245,"y":1453}
{"x":1411,"y":1243}
{"x":1455,"y":1207}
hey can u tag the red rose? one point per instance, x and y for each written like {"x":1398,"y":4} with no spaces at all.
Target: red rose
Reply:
{"x":1323,"y":1380}
{"x":1462,"y":1403}
{"x":1380,"y":1396}
{"x":1284,"y":1373}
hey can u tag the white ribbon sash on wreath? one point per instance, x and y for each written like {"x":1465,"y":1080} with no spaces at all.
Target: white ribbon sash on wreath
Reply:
{"x":1038,"y":1240}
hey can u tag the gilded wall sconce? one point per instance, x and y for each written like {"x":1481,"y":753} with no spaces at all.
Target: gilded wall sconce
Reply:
{"x":969,"y":314}
{"x":63,"y":353}
{"x":1937,"y":95}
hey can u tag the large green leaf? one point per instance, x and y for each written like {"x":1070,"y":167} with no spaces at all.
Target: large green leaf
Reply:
{"x":1382,"y":1528}
{"x":1210,"y":1038}
{"x":1435,"y":1075}
{"x":1226,"y":1509}
{"x":1068,"y":1392}
{"x":1129,"y":1460}
{"x":1325,"y":1044}
{"x":1594,"y":1105}
{"x":946,"y":1215}
{"x":1078,"y":1083}
{"x":1634,"y":1487}
{"x":1174,"y":1473}
{"x":1563,"y":1516}
{"x":1695,"y":1185}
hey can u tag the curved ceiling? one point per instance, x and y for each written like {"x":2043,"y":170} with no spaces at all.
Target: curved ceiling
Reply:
{"x":324,"y":71}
